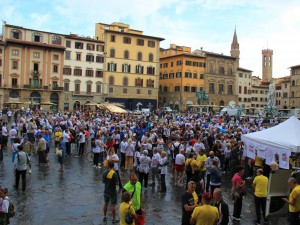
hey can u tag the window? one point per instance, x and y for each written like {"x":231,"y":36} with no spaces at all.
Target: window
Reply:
{"x":16,"y":34}
{"x":151,"y":70}
{"x":171,"y":75}
{"x":165,"y":76}
{"x":193,"y":89}
{"x":177,"y":89}
{"x":125,"y":81}
{"x":98,"y":88}
{"x":150,"y":83}
{"x":124,"y":90}
{"x":150,"y":57}
{"x":112,"y":38}
{"x":78,"y":56}
{"x":178,"y":74}
{"x":165,"y":65}
{"x":56,"y":57}
{"x":67,"y":71}
{"x":126,"y":68}
{"x":211,"y":88}
{"x":240,"y":90}
{"x":14,"y":82}
{"x":188,"y":75}
{"x":68,"y":43}
{"x":230,"y":89}
{"x":139,"y":82}
{"x":36,"y":55}
{"x":186,"y":89}
{"x":151,"y":44}
{"x":139,"y":69}
{"x":89,"y":73}
{"x":195,"y":75}
{"x":221,"y":69}
{"x":78,"y":45}
{"x":178,"y":63}
{"x":188,"y":63}
{"x":112,"y":53}
{"x":37,"y":37}
{"x":77,"y":87}
{"x":140,"y":42}
{"x":56,"y":40}
{"x":165,"y":89}
{"x":149,"y":92}
{"x":240,"y":74}
{"x":111,"y":80}
{"x":66,"y":86}
{"x":77,"y":72}
{"x":14,"y":65}
{"x":126,"y":40}
{"x":15,"y":52}
{"x":100,"y":48}
{"x":0,"y":65}
{"x":54,"y":84}
{"x":89,"y":58}
{"x":202,"y":76}
{"x":112,"y":67}
{"x":245,"y":90}
{"x":172,"y":64}
{"x":111,"y":90}
{"x":195,"y":64}
{"x":99,"y":73}
{"x":55,"y":68}
{"x":90,"y":46}
{"x":221,"y":89}
{"x":138,"y":91}
{"x":99,"y":59}
{"x":35,"y":67}
{"x":67,"y":55}
{"x":212,"y":67}
{"x":140,"y":56}
{"x":126,"y":54}
{"x":285,"y":95}
{"x":88,"y":88}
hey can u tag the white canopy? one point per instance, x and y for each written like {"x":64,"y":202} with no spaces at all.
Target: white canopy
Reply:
{"x":285,"y":135}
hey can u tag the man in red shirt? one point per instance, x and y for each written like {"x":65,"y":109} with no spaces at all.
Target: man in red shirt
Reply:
{"x":238,"y":191}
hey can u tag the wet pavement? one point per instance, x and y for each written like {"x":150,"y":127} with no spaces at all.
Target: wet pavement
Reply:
{"x":76,"y":196}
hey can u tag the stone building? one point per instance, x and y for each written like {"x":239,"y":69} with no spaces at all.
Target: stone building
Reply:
{"x":294,"y":86}
{"x":131,"y":65}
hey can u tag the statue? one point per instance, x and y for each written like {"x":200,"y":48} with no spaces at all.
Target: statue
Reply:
{"x":271,"y":95}
{"x":202,"y":96}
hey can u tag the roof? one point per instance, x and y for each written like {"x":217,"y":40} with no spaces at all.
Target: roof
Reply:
{"x":76,"y":37}
{"x":133,"y":34}
{"x":19,"y":27}
{"x":183,"y":54}
{"x":294,"y":66}
{"x":219,"y":55}
{"x":243,"y":69}
{"x":32,"y":43}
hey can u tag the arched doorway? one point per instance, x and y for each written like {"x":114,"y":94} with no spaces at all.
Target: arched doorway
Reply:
{"x":54,"y":98}
{"x":35,"y":98}
{"x":14,"y":94}
{"x":76,"y":105}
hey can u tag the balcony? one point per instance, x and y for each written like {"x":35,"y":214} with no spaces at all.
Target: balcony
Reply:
{"x":28,"y":86}
{"x":57,"y":88}
{"x":83,"y":93}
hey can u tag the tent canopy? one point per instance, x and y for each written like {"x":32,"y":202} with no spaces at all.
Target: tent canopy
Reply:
{"x":112,"y":108}
{"x":285,"y":135}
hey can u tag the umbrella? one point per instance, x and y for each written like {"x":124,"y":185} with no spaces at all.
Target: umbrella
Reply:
{"x":31,"y":103}
{"x":47,"y":103}
{"x":112,"y":108}
{"x":91,"y":104}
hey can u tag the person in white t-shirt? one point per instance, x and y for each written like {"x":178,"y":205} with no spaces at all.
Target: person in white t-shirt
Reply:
{"x":154,"y":167}
{"x":179,"y":168}
{"x":81,"y":142}
{"x":113,"y":157}
{"x":123,"y":146}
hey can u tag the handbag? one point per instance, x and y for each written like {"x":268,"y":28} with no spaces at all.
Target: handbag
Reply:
{"x":58,"y":152}
{"x":128,"y":217}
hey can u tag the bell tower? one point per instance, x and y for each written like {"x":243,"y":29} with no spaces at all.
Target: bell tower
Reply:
{"x":267,"y":64}
{"x":235,"y":47}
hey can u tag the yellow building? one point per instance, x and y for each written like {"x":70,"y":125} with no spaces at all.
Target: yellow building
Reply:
{"x":131,"y":65}
{"x":181,"y":76}
{"x":32,"y":66}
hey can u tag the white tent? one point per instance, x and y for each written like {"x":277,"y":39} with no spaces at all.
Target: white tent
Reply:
{"x":285,"y":136}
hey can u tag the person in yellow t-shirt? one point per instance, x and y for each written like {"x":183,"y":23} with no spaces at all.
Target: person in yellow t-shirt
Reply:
{"x":57,"y":135}
{"x":125,"y":207}
{"x":201,"y":159}
{"x":260,"y":184}
{"x":205,"y":214}
{"x":294,"y":201}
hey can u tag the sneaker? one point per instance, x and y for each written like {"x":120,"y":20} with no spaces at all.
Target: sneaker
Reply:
{"x":104,"y":219}
{"x":94,"y":166}
{"x":76,"y":156}
{"x":99,"y":167}
{"x":236,"y":218}
{"x":116,"y":220}
{"x":30,"y":171}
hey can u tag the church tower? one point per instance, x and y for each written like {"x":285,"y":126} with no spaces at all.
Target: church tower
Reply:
{"x":235,"y":47}
{"x":267,"y":64}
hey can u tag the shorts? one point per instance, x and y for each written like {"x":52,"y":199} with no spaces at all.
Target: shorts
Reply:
{"x":113,"y":199}
{"x":179,"y":167}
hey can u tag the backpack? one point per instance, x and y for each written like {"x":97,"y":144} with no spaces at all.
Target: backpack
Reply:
{"x":11,"y":210}
{"x":188,"y":168}
{"x":94,"y":143}
{"x":176,"y":149}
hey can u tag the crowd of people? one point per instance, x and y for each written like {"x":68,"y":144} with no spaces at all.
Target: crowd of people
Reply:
{"x":198,"y":150}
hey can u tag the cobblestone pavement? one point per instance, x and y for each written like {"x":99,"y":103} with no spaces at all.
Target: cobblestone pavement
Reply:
{"x":76,"y":196}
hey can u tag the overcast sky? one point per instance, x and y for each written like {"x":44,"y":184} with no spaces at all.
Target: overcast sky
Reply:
{"x":273,"y":24}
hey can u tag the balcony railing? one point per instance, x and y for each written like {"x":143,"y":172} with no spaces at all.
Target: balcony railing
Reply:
{"x":28,"y":86}
{"x":57,"y":88}
{"x":82,"y":93}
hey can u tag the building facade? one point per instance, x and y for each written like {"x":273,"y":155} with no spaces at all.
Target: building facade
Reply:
{"x":295,"y":86}
{"x":33,"y":66}
{"x":181,"y":76}
{"x":259,"y":93}
{"x":244,"y":81}
{"x":267,"y":65}
{"x":83,"y":72}
{"x":131,"y":65}
{"x":2,"y":51}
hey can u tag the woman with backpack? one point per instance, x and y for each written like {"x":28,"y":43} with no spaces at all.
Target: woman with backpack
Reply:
{"x":4,"y":204}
